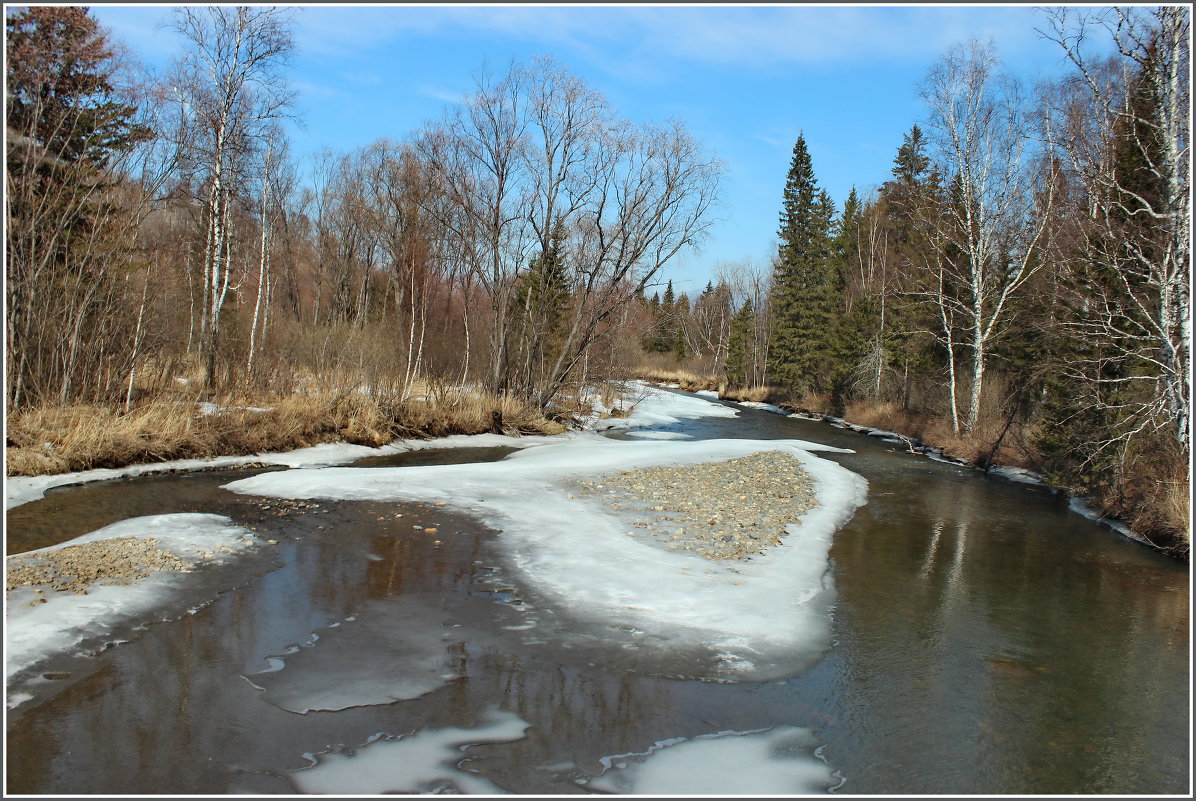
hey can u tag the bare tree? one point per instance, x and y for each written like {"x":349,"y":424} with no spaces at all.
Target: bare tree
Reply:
{"x":1122,"y":128}
{"x":233,"y":85}
{"x":270,"y":208}
{"x":536,"y":153}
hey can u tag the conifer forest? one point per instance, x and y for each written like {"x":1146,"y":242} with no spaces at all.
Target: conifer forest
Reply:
{"x":1016,"y":290}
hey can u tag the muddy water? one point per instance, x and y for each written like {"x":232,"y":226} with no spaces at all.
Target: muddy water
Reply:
{"x":986,"y":640}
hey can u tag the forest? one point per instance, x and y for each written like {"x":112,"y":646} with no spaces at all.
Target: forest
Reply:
{"x":1016,"y":291}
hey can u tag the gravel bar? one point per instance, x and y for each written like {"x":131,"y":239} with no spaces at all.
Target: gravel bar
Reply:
{"x":74,"y":567}
{"x":721,"y":510}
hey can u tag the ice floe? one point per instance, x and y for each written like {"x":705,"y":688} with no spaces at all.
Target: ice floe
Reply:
{"x":779,"y":762}
{"x":1082,"y":507}
{"x":765,"y":407}
{"x":427,"y":761}
{"x":339,"y":667}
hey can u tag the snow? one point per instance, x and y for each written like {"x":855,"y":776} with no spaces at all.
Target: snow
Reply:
{"x":207,"y":408}
{"x":658,"y":435}
{"x":1016,"y":474}
{"x":767,"y":407}
{"x":657,"y":408}
{"x":707,"y":393}
{"x":577,"y":552}
{"x":1082,"y":507}
{"x":430,"y":760}
{"x":781,"y":761}
{"x":34,"y":630}
{"x":23,"y":489}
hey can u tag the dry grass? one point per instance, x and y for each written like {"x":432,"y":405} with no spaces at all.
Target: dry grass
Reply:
{"x":757,"y":394}
{"x":688,"y":381}
{"x":973,"y":448}
{"x":1153,"y":497}
{"x":65,"y":439}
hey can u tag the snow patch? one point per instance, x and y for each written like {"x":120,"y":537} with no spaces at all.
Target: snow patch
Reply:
{"x":1019,"y":474}
{"x":658,"y":435}
{"x":766,"y":407}
{"x":207,"y":408}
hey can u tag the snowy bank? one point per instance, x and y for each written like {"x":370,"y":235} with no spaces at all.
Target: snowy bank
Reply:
{"x":23,"y":489}
{"x":65,"y":621}
{"x":578,"y":553}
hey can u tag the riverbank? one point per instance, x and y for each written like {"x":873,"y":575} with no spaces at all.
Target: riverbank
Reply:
{"x":682,"y":526}
{"x":54,"y":440}
{"x":1158,"y":517}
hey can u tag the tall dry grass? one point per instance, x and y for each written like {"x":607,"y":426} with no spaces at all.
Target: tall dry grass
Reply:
{"x":65,"y":439}
{"x":757,"y":394}
{"x":687,"y":380}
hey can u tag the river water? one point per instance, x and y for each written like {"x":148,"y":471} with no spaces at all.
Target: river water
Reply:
{"x":985,"y":640}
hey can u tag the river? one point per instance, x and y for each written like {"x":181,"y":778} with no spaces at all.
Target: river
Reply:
{"x":983,"y":639}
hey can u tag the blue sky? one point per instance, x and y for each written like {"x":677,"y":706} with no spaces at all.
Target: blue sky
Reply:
{"x":745,"y":79}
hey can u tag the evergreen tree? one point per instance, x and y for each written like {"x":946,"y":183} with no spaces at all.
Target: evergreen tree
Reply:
{"x":71,"y":134}
{"x":679,"y":349}
{"x":907,"y":188}
{"x":739,"y":345}
{"x":804,"y":282}
{"x":540,"y":305}
{"x":855,"y":317}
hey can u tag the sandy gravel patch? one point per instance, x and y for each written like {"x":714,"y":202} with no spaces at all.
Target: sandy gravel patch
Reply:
{"x":721,"y":510}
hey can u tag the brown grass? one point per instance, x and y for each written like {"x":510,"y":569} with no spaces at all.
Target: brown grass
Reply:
{"x":689,"y":381}
{"x":66,"y":439}
{"x":757,"y":394}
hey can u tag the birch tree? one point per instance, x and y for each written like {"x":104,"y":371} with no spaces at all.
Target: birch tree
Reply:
{"x":1122,"y":128}
{"x":232,"y":83}
{"x":992,"y":222}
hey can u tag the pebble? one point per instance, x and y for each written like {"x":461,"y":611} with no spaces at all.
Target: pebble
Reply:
{"x":721,"y":510}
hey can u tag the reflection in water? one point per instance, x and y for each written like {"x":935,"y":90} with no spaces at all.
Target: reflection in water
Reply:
{"x":986,"y":641}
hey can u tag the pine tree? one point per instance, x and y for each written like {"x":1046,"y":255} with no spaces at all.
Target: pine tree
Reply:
{"x":803,"y":282}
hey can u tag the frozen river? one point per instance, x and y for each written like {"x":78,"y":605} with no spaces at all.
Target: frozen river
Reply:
{"x":470,"y":628}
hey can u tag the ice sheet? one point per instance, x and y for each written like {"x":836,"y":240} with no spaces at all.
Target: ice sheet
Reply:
{"x":389,"y":651}
{"x":35,"y":630}
{"x":781,"y":761}
{"x":1082,"y":507}
{"x":767,"y":407}
{"x":579,"y":554}
{"x":428,"y":761}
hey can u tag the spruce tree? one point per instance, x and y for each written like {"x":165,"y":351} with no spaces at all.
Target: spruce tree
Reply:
{"x":739,"y":346}
{"x":856,"y":318}
{"x":539,"y":308}
{"x":803,"y":282}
